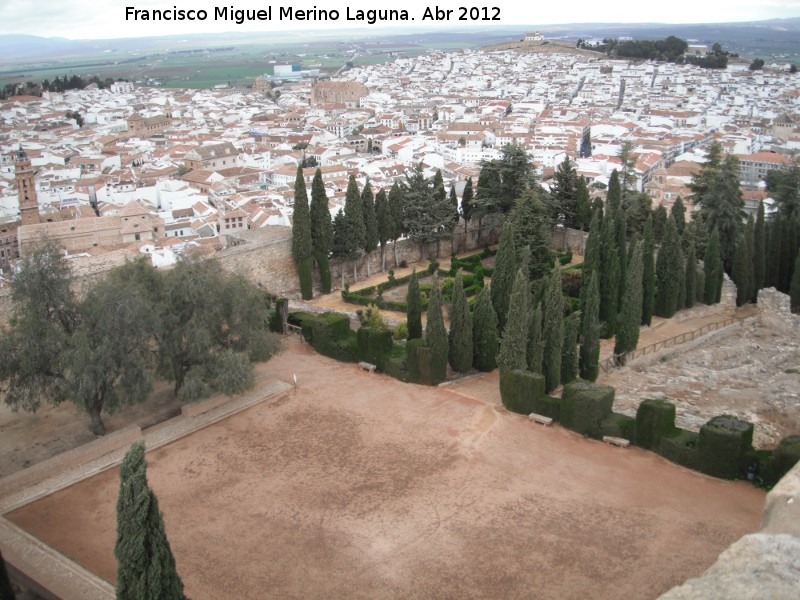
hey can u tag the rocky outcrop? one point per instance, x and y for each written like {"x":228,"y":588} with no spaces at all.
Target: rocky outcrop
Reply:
{"x":760,"y":566}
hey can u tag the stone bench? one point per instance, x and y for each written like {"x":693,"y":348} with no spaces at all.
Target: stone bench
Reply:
{"x":367,"y":366}
{"x":616,"y":441}
{"x":541,"y":419}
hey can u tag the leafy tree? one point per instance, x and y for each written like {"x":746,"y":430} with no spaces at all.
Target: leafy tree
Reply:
{"x":757,"y":64}
{"x":370,"y":222}
{"x":514,"y":343}
{"x":487,"y":200}
{"x":505,"y":269}
{"x":648,"y":273}
{"x":794,"y":288}
{"x":669,"y":272}
{"x":678,"y":213}
{"x":502,"y":181}
{"x":590,"y":332}
{"x":759,"y":252}
{"x":146,"y":567}
{"x":569,"y":351}
{"x":784,"y":187}
{"x":383,"y":215}
{"x":436,"y":334}
{"x":466,"y":203}
{"x":659,"y":223}
{"x":108,"y":358}
{"x":713,"y":270}
{"x":631,"y":312}
{"x":6,"y":591}
{"x":321,"y":230}
{"x":460,"y":335}
{"x":552,"y":330}
{"x":397,"y":210}
{"x":531,"y":230}
{"x":535,"y":342}
{"x":691,"y":277}
{"x":302,"y":246}
{"x":484,"y":332}
{"x":414,"y":308}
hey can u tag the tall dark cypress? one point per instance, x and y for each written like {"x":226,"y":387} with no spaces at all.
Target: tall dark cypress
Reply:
{"x":569,"y":351}
{"x":396,"y":208}
{"x":460,"y":334}
{"x":145,"y":565}
{"x":648,"y":273}
{"x":535,"y":344}
{"x":466,"y":203}
{"x":610,"y":277}
{"x":630,"y":319}
{"x":590,"y":332}
{"x":742,"y":274}
{"x":354,"y":211}
{"x":414,"y":308}
{"x":321,"y":230}
{"x":794,"y":288}
{"x":620,"y":226}
{"x":505,"y":269}
{"x":712,"y":266}
{"x":678,"y":212}
{"x":383,"y":214}
{"x":614,"y":195}
{"x":759,"y":252}
{"x":669,"y":272}
{"x":775,"y":243}
{"x":690,"y":287}
{"x":514,"y":343}
{"x":302,"y":245}
{"x":370,"y":222}
{"x":484,"y":333}
{"x":552,"y":330}
{"x":786,"y":258}
{"x":436,"y":334}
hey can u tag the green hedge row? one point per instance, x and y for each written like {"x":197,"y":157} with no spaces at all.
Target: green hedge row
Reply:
{"x":520,"y":390}
{"x":584,"y":407}
{"x":374,"y":346}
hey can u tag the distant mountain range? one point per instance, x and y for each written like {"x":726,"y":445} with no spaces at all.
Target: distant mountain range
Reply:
{"x":766,"y":38}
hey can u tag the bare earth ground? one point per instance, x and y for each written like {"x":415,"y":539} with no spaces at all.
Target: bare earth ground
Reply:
{"x":358,"y":486}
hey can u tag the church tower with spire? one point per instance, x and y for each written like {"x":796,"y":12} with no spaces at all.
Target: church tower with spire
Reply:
{"x":26,"y":187}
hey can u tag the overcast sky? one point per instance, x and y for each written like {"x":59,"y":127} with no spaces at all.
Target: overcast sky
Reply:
{"x":98,"y":19}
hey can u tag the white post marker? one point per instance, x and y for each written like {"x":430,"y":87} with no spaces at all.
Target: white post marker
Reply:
{"x":295,"y":381}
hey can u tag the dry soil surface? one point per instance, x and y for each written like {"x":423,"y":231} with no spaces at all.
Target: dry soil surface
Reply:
{"x":358,"y":486}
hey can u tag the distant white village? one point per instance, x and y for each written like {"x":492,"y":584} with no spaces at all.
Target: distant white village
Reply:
{"x":155,"y":171}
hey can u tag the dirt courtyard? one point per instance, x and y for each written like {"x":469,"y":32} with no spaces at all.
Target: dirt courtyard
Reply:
{"x":358,"y":486}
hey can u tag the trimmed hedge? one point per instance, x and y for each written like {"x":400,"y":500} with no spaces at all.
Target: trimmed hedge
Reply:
{"x":725,"y":443}
{"x":303,"y":320}
{"x":331,"y":336}
{"x":584,"y":407}
{"x":418,"y":362}
{"x":655,"y":419}
{"x":374,"y":345}
{"x":618,"y":425}
{"x":784,"y":457}
{"x":547,"y":406}
{"x":519,"y":390}
{"x":275,"y":315}
{"x":681,"y":447}
{"x":395,"y":363}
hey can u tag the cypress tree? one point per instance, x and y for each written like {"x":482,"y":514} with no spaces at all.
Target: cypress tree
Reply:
{"x":552,"y":330}
{"x":383,"y":214}
{"x":631,"y":313}
{"x":614,"y":195}
{"x":678,"y":213}
{"x":691,"y":278}
{"x":354,"y":211}
{"x":466,"y":203}
{"x":302,"y":246}
{"x":436,"y":334}
{"x":583,"y":204}
{"x":484,"y":332}
{"x":620,"y":226}
{"x":774,"y":252}
{"x":344,"y":246}
{"x":609,"y":277}
{"x":6,"y":591}
{"x":648,"y":273}
{"x":787,"y":257}
{"x":759,"y":252}
{"x":505,"y":269}
{"x":569,"y":351}
{"x":414,"y":308}
{"x":321,"y":230}
{"x":146,"y":567}
{"x":669,"y":272}
{"x":590,"y":332}
{"x":460,"y":335}
{"x":794,"y":288}
{"x":535,"y":344}
{"x":514,"y":343}
{"x":396,"y":209}
{"x":370,"y":222}
{"x":712,"y":266}
{"x":591,"y":257}
{"x":742,"y":271}
{"x":659,"y":223}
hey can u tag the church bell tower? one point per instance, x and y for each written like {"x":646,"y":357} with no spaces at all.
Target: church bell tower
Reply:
{"x":26,"y":187}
